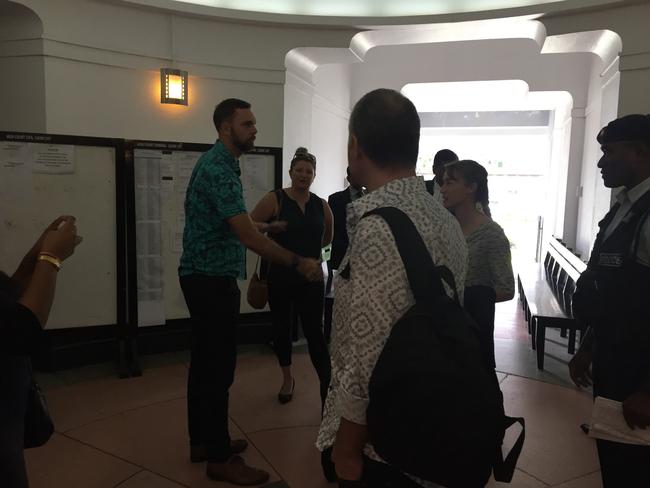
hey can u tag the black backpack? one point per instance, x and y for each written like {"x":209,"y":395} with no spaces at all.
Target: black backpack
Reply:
{"x":435,"y":407}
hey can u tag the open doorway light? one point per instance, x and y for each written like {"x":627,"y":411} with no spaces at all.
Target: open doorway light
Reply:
{"x":511,"y":132}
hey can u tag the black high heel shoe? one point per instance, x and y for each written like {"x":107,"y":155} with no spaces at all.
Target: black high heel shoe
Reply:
{"x":287,"y":397}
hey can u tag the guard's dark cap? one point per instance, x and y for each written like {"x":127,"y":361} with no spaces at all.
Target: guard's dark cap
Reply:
{"x":634,"y":127}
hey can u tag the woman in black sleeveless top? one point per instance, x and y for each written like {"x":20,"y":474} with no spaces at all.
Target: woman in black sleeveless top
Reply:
{"x":308,"y":229}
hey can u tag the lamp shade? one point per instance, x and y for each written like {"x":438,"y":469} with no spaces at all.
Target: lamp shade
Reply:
{"x":173,"y":86}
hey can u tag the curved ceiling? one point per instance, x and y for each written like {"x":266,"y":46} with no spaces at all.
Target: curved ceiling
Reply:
{"x":366,"y":11}
{"x":367,"y":8}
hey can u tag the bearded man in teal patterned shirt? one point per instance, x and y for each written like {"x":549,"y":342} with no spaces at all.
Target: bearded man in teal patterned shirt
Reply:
{"x":217,"y":232}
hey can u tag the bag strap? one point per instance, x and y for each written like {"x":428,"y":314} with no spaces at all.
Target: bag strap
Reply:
{"x":425,"y":278}
{"x":279,"y":194}
{"x":504,"y":470}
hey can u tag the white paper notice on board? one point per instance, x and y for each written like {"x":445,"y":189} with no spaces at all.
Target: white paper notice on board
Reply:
{"x":166,"y":187}
{"x":255,"y":171}
{"x":14,"y":156}
{"x":151,"y":312}
{"x":54,"y":159}
{"x":185,"y":161}
{"x":15,"y":170}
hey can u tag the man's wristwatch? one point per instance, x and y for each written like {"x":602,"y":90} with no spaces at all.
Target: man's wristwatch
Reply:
{"x":295,"y":261}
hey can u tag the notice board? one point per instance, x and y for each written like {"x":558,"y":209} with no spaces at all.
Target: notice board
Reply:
{"x":160,"y":174}
{"x":43,"y":176}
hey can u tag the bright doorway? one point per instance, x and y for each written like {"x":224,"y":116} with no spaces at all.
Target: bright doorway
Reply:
{"x":517,"y":160}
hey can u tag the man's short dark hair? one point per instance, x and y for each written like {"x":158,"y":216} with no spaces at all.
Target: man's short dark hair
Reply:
{"x":387,"y":127}
{"x":226,"y":109}
{"x":444,"y":156}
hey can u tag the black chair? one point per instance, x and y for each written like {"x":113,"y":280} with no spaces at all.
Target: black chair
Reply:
{"x":558,"y":291}
{"x":549,"y":268}
{"x":547,"y":260}
{"x":559,"y":288}
{"x":569,"y":290}
{"x":547,"y":297}
{"x":554,"y":277}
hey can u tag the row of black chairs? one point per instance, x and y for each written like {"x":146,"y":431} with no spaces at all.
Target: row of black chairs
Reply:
{"x":562,"y":284}
{"x":546,"y":294}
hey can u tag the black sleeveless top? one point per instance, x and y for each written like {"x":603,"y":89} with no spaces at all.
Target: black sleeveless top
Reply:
{"x":304,"y":233}
{"x":20,"y":331}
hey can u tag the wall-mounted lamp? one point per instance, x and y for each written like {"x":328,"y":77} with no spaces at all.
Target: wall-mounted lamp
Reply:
{"x":173,"y":86}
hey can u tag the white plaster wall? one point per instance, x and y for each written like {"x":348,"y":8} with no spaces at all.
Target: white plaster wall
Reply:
{"x":558,"y":171}
{"x":593,"y":198}
{"x":298,"y":115}
{"x":22,"y":84}
{"x":321,"y":128}
{"x":101,"y":59}
{"x":119,"y":102}
{"x":331,"y":113}
{"x":22,"y":94}
{"x":395,"y":66}
{"x":631,"y":23}
{"x":316,"y":116}
{"x":329,"y":144}
{"x":18,"y":22}
{"x":587,"y":188}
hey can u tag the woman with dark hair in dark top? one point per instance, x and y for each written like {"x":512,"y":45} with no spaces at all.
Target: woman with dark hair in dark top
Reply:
{"x":489,"y":273}
{"x":308,"y":220}
{"x":25,"y":302}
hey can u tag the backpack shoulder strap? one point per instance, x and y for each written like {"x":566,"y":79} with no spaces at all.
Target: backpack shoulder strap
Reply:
{"x":423,"y":275}
{"x":504,"y":469}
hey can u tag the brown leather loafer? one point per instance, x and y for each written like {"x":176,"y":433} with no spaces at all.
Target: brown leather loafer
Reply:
{"x":237,"y":472}
{"x":198,"y":453}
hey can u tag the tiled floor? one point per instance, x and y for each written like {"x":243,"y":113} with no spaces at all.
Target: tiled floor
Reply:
{"x":132,"y":433}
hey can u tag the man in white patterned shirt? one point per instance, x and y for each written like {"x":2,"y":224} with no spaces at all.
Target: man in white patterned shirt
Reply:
{"x":382,"y":153}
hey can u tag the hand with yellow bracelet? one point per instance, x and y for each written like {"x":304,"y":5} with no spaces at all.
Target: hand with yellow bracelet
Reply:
{"x":59,"y":243}
{"x":36,"y":274}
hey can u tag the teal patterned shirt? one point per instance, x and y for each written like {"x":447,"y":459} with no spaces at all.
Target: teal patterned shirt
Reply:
{"x":214,"y":194}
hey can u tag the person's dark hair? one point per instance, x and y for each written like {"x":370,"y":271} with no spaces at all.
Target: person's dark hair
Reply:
{"x":387,"y":127}
{"x":444,"y":156}
{"x":226,"y":109}
{"x":472,"y":172}
{"x":303,"y":154}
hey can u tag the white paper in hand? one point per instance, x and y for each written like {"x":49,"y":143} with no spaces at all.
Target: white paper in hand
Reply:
{"x":608,"y":423}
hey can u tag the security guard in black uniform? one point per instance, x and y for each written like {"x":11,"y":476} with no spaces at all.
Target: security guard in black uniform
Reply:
{"x":613,"y":299}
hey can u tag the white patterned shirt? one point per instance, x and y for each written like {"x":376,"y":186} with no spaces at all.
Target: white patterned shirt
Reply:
{"x":377,"y":293}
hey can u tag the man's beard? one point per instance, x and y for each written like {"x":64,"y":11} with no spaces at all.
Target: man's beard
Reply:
{"x":244,"y":146}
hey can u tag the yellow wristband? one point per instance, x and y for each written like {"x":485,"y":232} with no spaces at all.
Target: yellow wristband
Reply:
{"x":50,"y":259}
{"x":44,"y":253}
